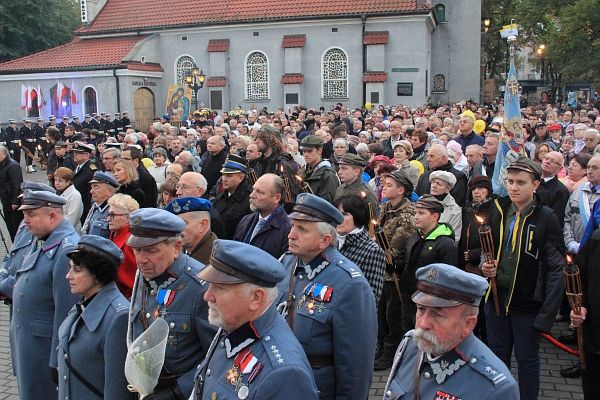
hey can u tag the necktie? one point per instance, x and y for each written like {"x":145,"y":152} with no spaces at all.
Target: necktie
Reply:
{"x":512,"y":232}
{"x":258,"y":227}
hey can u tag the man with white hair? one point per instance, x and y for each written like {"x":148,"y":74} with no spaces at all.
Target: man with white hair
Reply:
{"x":553,"y":192}
{"x":474,"y":155}
{"x":466,"y":134}
{"x":591,"y":137}
{"x":437,"y":159}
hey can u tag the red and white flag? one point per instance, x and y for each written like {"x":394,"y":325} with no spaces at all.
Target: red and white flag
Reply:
{"x":59,"y":92}
{"x":29,"y":96}
{"x":74,"y":99}
{"x":23,"y":97}
{"x":39,"y":97}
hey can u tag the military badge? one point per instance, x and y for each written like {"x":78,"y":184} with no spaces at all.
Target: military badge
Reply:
{"x":439,"y":395}
{"x":137,"y":220}
{"x":431,"y":274}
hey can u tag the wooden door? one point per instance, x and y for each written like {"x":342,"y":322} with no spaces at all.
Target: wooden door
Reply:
{"x":144,"y":110}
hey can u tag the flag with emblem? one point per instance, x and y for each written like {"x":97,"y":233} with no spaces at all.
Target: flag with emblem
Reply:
{"x":511,"y":144}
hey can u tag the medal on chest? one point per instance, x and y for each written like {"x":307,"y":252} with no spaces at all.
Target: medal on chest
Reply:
{"x":245,"y":364}
{"x":164,"y":299}
{"x":315,"y":295}
{"x":439,"y":395}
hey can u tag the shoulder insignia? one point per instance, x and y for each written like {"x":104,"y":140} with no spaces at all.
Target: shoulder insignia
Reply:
{"x":484,"y":368}
{"x":350,"y":268}
{"x":93,"y":167}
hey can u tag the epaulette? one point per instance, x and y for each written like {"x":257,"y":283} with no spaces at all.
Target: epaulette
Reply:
{"x":272,"y":350}
{"x":193,"y":273}
{"x":481,"y":365}
{"x":349,"y":267}
{"x":119,"y":306}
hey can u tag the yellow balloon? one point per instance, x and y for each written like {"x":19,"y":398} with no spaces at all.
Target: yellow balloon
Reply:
{"x":368,"y":105}
{"x":479,"y":126}
{"x":469,"y":114}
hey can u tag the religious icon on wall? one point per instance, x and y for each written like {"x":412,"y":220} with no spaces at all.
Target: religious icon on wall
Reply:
{"x":179,"y":99}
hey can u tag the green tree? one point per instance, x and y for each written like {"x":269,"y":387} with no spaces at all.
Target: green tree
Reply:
{"x":29,"y":26}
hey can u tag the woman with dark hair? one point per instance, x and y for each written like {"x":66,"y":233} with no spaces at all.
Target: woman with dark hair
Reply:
{"x":356,"y":245}
{"x":577,"y":171}
{"x":92,"y":345}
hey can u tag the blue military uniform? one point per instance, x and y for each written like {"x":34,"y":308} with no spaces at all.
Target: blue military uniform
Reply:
{"x":41,"y":301}
{"x":261,"y":359}
{"x":468,"y":371}
{"x":176,"y":296}
{"x":92,"y":337}
{"x":96,"y":221}
{"x":334,"y":310}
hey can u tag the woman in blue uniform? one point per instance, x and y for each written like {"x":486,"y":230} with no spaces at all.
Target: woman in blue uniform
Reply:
{"x":92,"y":345}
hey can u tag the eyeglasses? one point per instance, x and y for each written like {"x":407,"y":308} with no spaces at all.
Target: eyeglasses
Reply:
{"x":185,"y":187}
{"x":553,"y":161}
{"x":112,"y":215}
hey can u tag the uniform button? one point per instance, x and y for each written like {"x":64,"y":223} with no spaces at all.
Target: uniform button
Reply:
{"x":65,"y":377}
{"x":427,"y":375}
{"x":208,"y":372}
{"x":311,"y":312}
{"x":153,"y":292}
{"x":222,"y":344}
{"x":473,"y":360}
{"x":267,"y":338}
{"x":388,"y":393}
{"x":148,"y":315}
{"x":172,"y":325}
{"x":300,"y":277}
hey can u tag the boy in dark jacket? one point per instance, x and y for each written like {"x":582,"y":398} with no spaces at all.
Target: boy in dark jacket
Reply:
{"x":432,"y":243}
{"x":528,"y":269}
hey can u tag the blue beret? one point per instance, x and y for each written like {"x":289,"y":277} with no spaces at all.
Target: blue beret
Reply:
{"x":103,"y":177}
{"x":151,"y":225}
{"x":443,"y":285}
{"x":37,"y":199}
{"x":236,"y":262}
{"x":314,"y":208}
{"x":37,"y":186}
{"x":188,"y":204}
{"x":99,"y":245}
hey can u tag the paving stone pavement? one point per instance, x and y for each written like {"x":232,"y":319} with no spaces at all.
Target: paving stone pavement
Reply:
{"x":552,"y":385}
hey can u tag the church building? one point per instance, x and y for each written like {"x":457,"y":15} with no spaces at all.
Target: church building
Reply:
{"x":130,"y":55}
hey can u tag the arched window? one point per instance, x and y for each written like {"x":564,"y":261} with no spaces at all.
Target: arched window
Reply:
{"x":439,"y":83}
{"x":90,"y":101}
{"x":335,"y":74}
{"x":257,"y":76}
{"x":183,"y":67}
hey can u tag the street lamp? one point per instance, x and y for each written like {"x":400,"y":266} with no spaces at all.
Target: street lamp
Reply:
{"x":195,"y":81}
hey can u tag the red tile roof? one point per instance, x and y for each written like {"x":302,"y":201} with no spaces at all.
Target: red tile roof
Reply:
{"x":374,"y":77}
{"x":79,"y":54}
{"x":126,"y":15}
{"x":138,"y":66}
{"x":218,"y":46}
{"x":216,"y":81}
{"x":291,"y":79}
{"x":376,"y":37}
{"x":291,"y":41}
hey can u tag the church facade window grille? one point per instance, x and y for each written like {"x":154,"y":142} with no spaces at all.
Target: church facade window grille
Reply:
{"x":183,"y":67}
{"x":335,"y":74}
{"x":439,"y":83}
{"x":257,"y":76}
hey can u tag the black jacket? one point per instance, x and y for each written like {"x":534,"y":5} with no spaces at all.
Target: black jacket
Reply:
{"x":587,"y":259}
{"x":233,"y":208}
{"x":272,"y":238}
{"x":148,"y":186}
{"x":81,"y":181}
{"x":10,"y":183}
{"x":459,"y":191}
{"x":554,"y":195}
{"x":211,"y":169}
{"x":134,"y":190}
{"x":538,"y":285}
{"x":470,"y":241}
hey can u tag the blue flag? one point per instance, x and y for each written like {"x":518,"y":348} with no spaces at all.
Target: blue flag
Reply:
{"x":511,"y":146}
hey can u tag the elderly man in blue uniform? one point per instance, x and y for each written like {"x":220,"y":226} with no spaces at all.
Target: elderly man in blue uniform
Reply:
{"x":330,"y":305}
{"x":441,"y":358}
{"x":166,"y":287}
{"x":41,"y":295}
{"x":255,"y":355}
{"x":197,"y":238}
{"x":103,"y":187}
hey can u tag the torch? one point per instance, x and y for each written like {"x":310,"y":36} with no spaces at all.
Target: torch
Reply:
{"x":372,"y":216}
{"x":384,"y":243}
{"x":575,"y":296}
{"x":304,"y":186}
{"x":286,"y":185}
{"x":487,"y":247}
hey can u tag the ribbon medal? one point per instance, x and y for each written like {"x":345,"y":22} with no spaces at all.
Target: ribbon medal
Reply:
{"x":243,"y":363}
{"x":319,"y":293}
{"x":164,"y":299}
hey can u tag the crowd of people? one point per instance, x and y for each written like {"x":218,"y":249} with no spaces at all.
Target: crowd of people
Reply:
{"x":293,"y":253}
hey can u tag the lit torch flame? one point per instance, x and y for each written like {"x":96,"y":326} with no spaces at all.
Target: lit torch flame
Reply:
{"x":298,"y":177}
{"x":569,"y":259}
{"x":363,"y":194}
{"x":479,"y":219}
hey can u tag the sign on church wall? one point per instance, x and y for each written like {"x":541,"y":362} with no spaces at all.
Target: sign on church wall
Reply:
{"x":405,"y":88}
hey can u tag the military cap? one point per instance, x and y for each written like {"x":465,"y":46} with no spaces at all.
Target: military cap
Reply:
{"x":102,"y":114}
{"x":117,"y":114}
{"x":40,"y":118}
{"x":268,"y":128}
{"x":311,"y":141}
{"x":149,"y":226}
{"x":61,"y":144}
{"x":233,"y":262}
{"x":429,"y":202}
{"x":26,"y":185}
{"x":314,"y":208}
{"x":52,"y":117}
{"x":81,"y":147}
{"x":124,"y":112}
{"x":112,"y":145}
{"x":100,"y":246}
{"x":65,"y":117}
{"x":443,"y":285}
{"x":525,"y":164}
{"x":75,"y":117}
{"x":39,"y":198}
{"x":87,"y":116}
{"x":234,"y":164}
{"x":401,"y":177}
{"x":27,"y":121}
{"x":103,"y":177}
{"x":445,"y":176}
{"x":188,"y":204}
{"x":352,"y":159}
{"x":12,"y":121}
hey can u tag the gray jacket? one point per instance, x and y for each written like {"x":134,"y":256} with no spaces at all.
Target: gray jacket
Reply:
{"x":577,"y":215}
{"x":452,"y":215}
